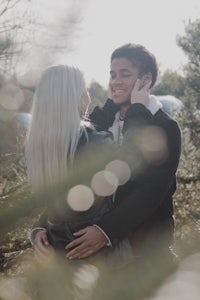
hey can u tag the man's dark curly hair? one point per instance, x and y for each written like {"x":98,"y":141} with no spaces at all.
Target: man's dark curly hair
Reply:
{"x":140,"y":57}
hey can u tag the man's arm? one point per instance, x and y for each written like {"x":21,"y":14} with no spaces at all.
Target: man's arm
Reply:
{"x":138,"y":200}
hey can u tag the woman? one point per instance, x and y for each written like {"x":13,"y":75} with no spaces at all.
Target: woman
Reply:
{"x":58,"y":134}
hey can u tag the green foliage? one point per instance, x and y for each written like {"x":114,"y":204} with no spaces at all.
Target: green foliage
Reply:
{"x":190,"y":44}
{"x":170,"y":83}
{"x":187,"y":88}
{"x":187,"y":196}
{"x":98,"y":95}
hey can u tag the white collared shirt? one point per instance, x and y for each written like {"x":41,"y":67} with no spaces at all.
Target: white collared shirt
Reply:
{"x":116,"y":128}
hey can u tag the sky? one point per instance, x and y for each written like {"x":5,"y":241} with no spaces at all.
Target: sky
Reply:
{"x":107,"y":24}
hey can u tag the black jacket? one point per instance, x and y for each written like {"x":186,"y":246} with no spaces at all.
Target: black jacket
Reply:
{"x":144,"y":205}
{"x":58,"y":218}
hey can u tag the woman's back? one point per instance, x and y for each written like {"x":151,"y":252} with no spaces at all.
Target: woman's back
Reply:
{"x":59,"y":145}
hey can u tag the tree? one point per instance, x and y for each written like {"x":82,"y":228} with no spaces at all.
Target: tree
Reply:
{"x":190,"y":44}
{"x":170,"y":83}
{"x":12,"y":21}
{"x":187,"y":196}
{"x":98,"y":94}
{"x":29,"y":41}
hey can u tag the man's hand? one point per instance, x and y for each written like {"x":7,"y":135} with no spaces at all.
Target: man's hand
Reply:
{"x":90,"y":240}
{"x":141,"y":94}
{"x":41,"y":244}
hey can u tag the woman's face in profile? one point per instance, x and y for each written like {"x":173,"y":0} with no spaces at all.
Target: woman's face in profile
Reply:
{"x":123,"y":76}
{"x":85,"y":101}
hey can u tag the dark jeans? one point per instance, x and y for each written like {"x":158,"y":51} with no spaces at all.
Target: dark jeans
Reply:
{"x":60,"y":233}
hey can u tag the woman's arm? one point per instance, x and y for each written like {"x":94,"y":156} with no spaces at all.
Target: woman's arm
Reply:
{"x":38,"y":236}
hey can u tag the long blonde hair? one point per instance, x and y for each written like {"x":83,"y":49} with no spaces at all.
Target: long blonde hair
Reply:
{"x":56,"y":125}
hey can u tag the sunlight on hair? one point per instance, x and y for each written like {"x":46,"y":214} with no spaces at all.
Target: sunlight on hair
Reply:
{"x":153,"y":144}
{"x":11,"y":97}
{"x":104,"y":183}
{"x":86,"y":277}
{"x":80,"y":197}
{"x":121,"y":170}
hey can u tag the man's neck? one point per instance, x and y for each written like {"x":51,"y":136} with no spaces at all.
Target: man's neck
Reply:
{"x":123,"y":109}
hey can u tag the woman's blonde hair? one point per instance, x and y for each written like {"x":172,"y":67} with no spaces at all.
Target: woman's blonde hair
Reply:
{"x":56,"y":125}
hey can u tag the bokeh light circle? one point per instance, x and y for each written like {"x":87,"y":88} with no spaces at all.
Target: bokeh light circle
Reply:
{"x":104,"y":183}
{"x":153,"y":144}
{"x":121,"y":170}
{"x":80,"y":197}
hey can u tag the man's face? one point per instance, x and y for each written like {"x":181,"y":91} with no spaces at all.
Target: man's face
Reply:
{"x":123,"y":76}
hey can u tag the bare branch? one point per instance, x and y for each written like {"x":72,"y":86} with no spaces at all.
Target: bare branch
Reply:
{"x":7,"y":7}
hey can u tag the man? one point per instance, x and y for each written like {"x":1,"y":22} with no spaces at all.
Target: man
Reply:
{"x":143,"y":206}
